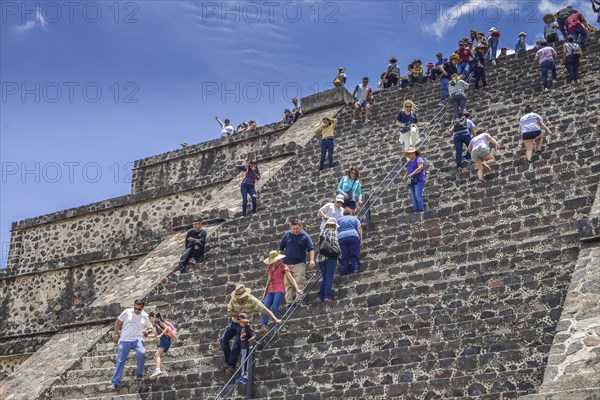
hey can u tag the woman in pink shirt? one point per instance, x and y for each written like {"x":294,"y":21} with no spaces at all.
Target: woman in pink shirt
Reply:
{"x":274,"y":292}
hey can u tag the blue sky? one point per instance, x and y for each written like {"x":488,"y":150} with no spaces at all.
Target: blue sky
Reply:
{"x":88,"y":88}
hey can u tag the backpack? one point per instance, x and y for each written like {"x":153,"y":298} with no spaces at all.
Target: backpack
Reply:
{"x":169,"y":330}
{"x":326,"y":248}
{"x":460,"y":125}
{"x":575,"y":50}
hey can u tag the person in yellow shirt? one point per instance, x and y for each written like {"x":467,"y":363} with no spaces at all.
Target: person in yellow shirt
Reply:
{"x":416,"y":72}
{"x":326,"y":129}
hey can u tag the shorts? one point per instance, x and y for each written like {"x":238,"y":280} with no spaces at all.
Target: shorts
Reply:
{"x":480,"y":153}
{"x":165,"y":343}
{"x":531,"y":135}
{"x":362,"y":103}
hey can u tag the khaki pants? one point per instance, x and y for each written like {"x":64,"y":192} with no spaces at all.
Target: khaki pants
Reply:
{"x":299,"y":273}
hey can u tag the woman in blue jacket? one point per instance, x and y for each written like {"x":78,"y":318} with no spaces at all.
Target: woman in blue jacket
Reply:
{"x":349,"y":187}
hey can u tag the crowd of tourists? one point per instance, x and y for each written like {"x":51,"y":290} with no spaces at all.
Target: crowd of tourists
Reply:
{"x":341,"y":234}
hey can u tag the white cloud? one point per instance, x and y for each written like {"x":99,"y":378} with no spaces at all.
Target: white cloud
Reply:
{"x":29,"y":25}
{"x":449,"y":17}
{"x":553,"y":6}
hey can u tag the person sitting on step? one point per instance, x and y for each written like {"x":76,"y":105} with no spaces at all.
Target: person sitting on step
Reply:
{"x":363,"y":96}
{"x":195,"y":246}
{"x":480,"y":151}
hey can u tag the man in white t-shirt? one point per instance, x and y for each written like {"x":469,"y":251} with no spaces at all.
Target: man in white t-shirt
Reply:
{"x":332,"y":210}
{"x":363,"y":95}
{"x":226,"y":128}
{"x":132,"y":326}
{"x":545,"y":56}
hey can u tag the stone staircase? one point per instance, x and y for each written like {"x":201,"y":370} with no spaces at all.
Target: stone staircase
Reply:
{"x":459,"y":302}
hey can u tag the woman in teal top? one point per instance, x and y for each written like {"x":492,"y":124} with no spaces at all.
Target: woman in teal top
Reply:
{"x":349,"y":187}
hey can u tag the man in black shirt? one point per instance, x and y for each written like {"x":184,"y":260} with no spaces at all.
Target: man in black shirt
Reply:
{"x":195,"y":243}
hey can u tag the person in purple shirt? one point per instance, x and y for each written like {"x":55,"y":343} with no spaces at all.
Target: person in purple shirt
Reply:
{"x":247,"y":187}
{"x":415,"y":178}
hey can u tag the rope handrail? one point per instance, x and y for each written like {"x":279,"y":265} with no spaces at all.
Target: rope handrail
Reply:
{"x":274,"y":331}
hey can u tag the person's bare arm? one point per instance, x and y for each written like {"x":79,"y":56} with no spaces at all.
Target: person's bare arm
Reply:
{"x":291,"y":279}
{"x":360,"y":232}
{"x":470,"y":148}
{"x":271,"y":315}
{"x":541,"y":123}
{"x":491,"y":139}
{"x":118,"y":326}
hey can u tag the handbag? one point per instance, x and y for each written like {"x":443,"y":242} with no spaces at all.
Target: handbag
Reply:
{"x":326,"y":248}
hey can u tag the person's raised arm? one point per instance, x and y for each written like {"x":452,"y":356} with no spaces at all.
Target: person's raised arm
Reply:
{"x":219,"y":121}
{"x":334,"y":122}
{"x":492,"y":140}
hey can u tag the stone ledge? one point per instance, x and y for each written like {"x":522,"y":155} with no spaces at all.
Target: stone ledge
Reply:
{"x":327,"y":99}
{"x":578,"y":394}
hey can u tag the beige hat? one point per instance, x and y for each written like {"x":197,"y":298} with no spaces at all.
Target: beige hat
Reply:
{"x":412,"y":150}
{"x":332,"y":221}
{"x":240,"y":291}
{"x":273,"y":256}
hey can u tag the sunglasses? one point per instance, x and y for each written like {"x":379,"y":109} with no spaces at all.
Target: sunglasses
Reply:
{"x":408,"y":106}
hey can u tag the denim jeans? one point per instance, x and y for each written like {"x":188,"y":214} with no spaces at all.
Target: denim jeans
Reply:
{"x":459,"y":101}
{"x":248,"y":189}
{"x":579,"y":35}
{"x":392,"y":80}
{"x":233,"y":330}
{"x":463,"y":68}
{"x":572,"y":65}
{"x":350,"y":247}
{"x":544,"y":67}
{"x":272,"y":302}
{"x":327,"y":268}
{"x":493,"y":42}
{"x":445,"y":83}
{"x":460,"y":139}
{"x":326,"y":147}
{"x":140,"y":356}
{"x":416,"y":195}
{"x":192,"y":250}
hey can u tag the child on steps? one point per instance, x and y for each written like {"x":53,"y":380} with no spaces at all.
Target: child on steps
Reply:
{"x":163,"y":332}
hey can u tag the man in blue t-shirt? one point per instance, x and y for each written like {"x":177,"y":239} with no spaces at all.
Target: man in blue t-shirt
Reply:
{"x":294,"y":244}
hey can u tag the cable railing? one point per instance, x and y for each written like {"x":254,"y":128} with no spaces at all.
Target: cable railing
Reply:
{"x":263,"y":344}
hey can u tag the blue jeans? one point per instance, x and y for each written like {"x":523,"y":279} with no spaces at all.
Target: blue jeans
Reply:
{"x":272,"y":302}
{"x":463,"y":67}
{"x":460,"y":139}
{"x":579,"y":35}
{"x":233,"y":330}
{"x":445,"y":82}
{"x":350,"y":247}
{"x":416,"y":195}
{"x":140,"y":357}
{"x":572,"y":65}
{"x":493,"y":42}
{"x":326,"y":147}
{"x":544,"y":67}
{"x":459,"y":101}
{"x":248,"y":189}
{"x":327,"y":268}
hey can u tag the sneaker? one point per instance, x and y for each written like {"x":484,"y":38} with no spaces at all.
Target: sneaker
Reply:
{"x":193,"y":261}
{"x":367,"y":121}
{"x":486,"y":166}
{"x":139,"y":377}
{"x":229,"y":369}
{"x":327,"y":300}
{"x":117,"y":387}
{"x":441,"y":104}
{"x":318,"y":300}
{"x":554,"y":81}
{"x":354,"y":122}
{"x":177,"y":273}
{"x":164,"y":374}
{"x":546,"y":90}
{"x":243,"y":380}
{"x":156,"y":374}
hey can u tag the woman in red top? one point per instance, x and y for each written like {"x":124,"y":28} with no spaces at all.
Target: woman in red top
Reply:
{"x":275,"y":289}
